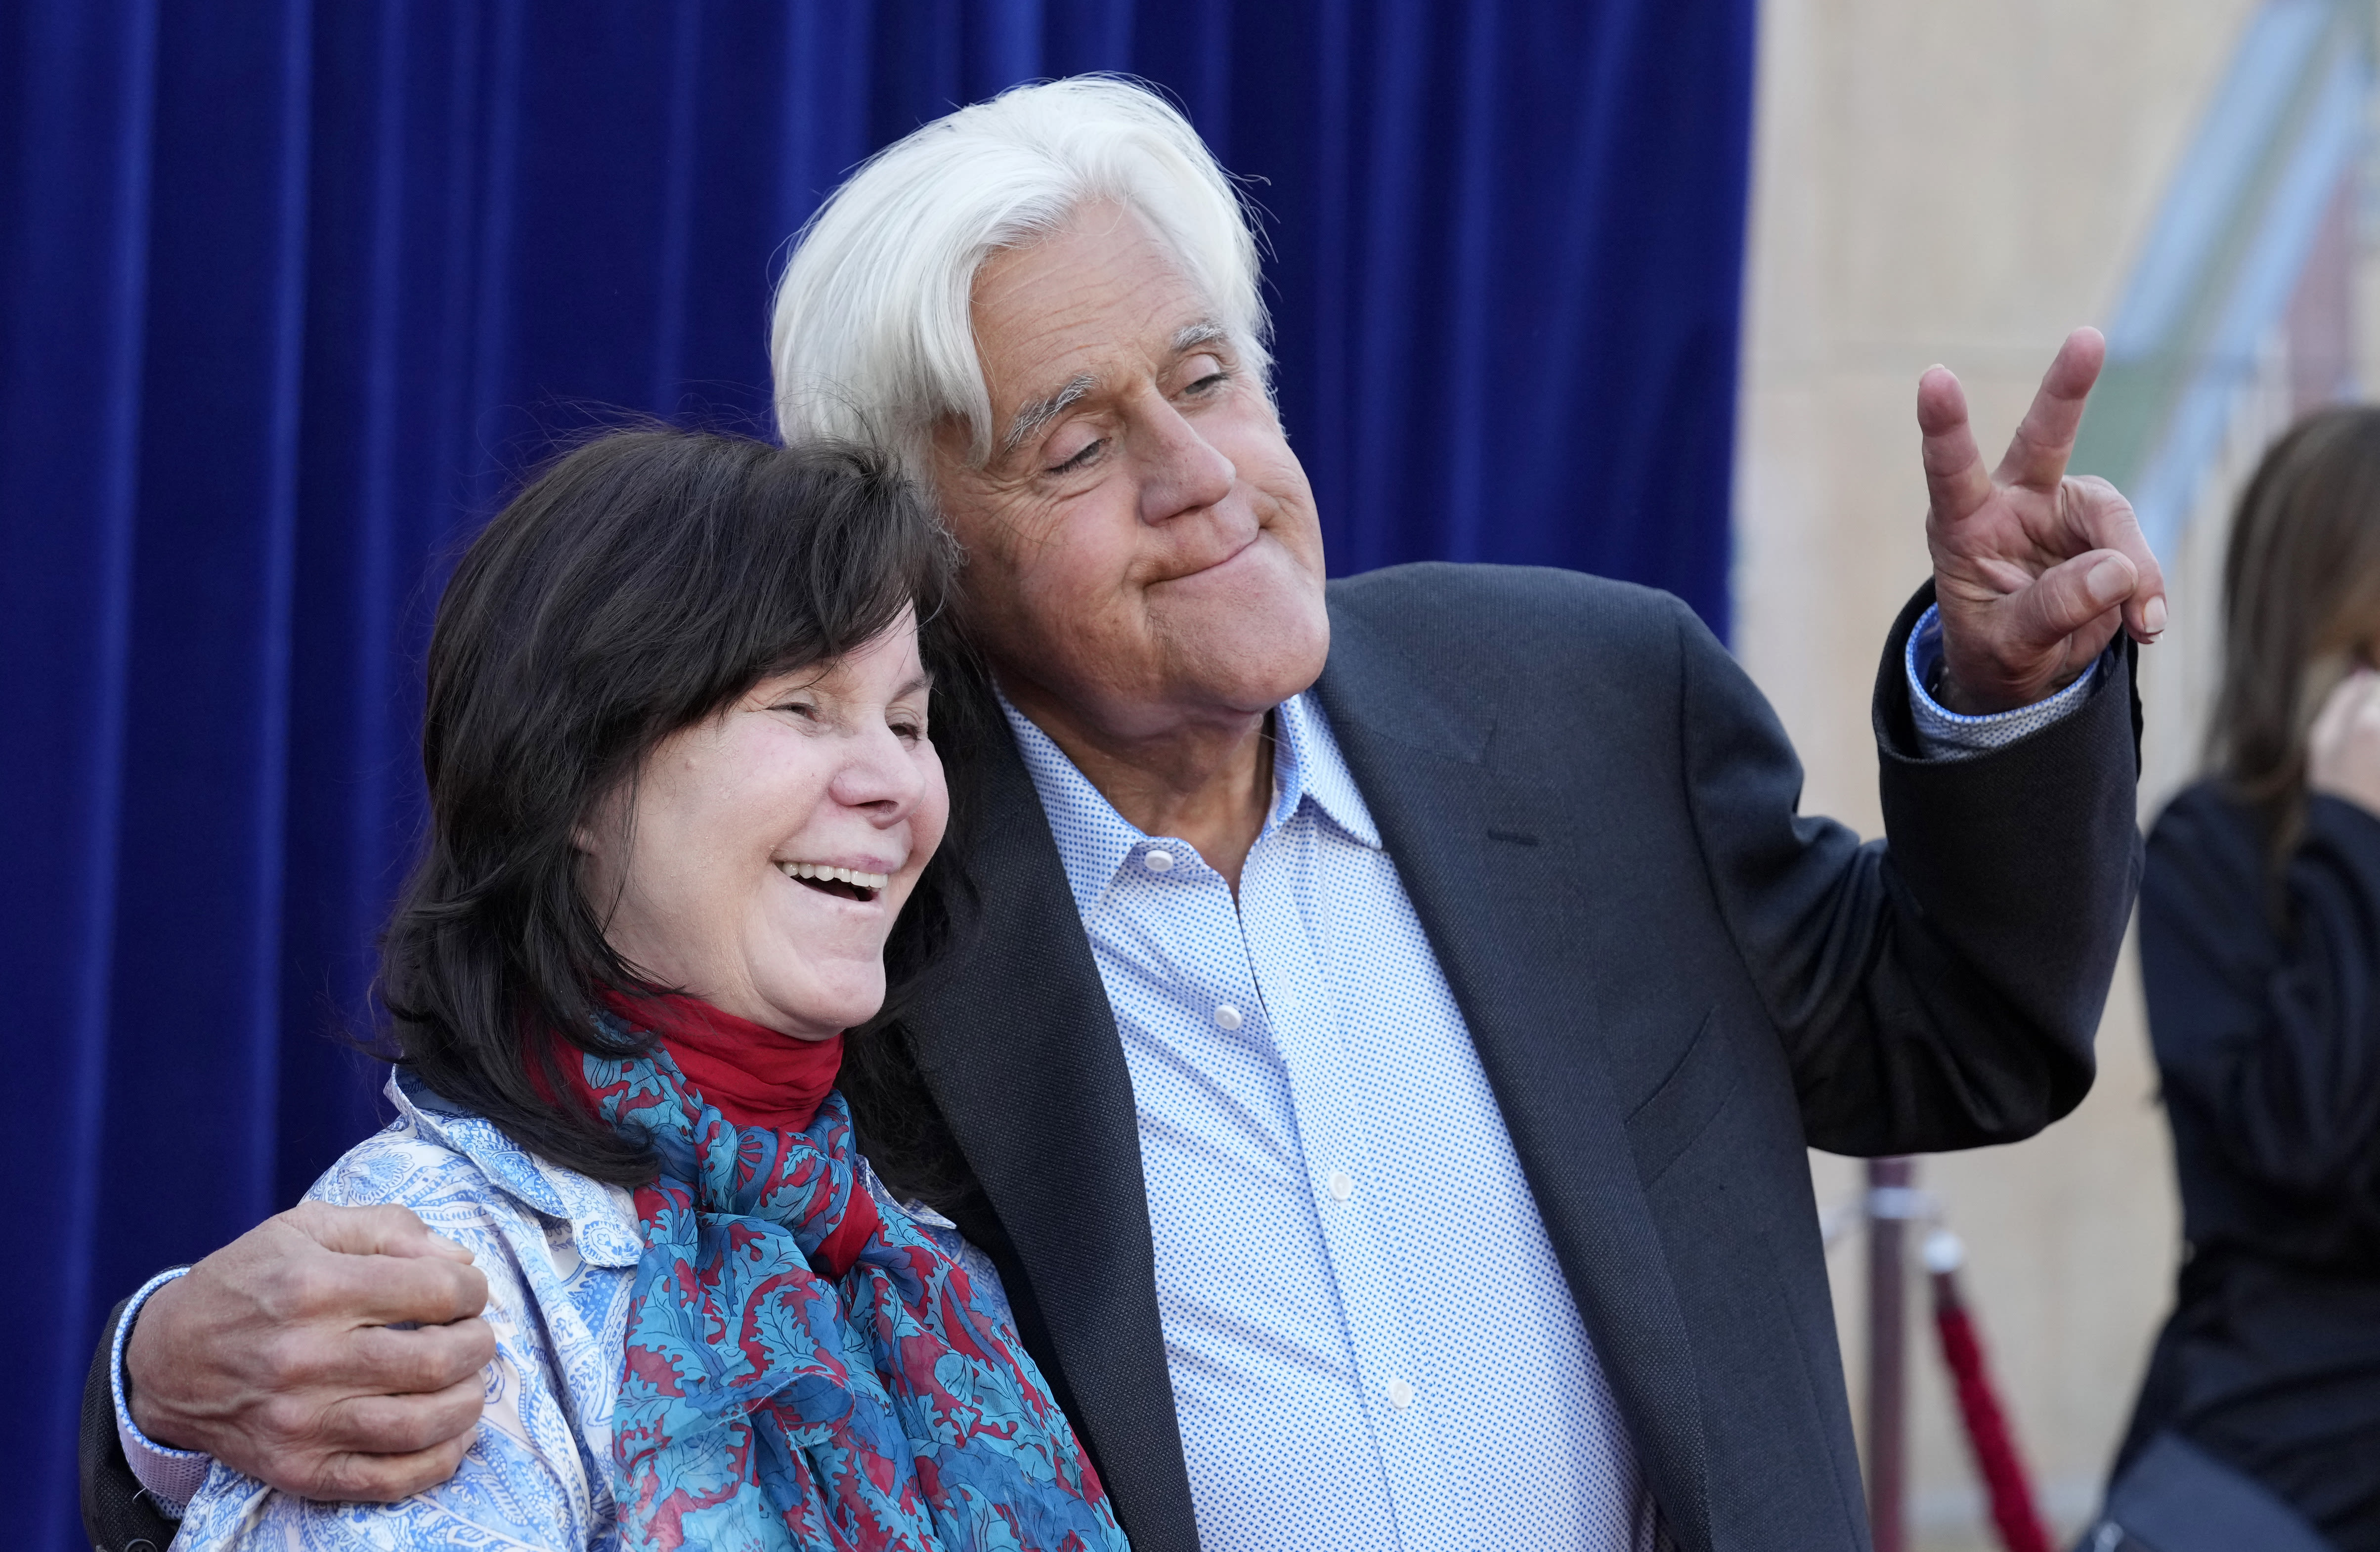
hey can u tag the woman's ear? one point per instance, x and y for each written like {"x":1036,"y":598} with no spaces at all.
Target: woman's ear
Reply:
{"x":601,"y":831}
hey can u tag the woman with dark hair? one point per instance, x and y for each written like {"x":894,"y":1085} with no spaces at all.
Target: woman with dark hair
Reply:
{"x":680,"y":788}
{"x":2260,"y":943}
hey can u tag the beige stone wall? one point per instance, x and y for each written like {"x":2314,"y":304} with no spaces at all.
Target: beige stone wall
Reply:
{"x":1959,"y":183}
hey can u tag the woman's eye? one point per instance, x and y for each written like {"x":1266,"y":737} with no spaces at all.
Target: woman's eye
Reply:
{"x":913,"y":731}
{"x":801,"y":708}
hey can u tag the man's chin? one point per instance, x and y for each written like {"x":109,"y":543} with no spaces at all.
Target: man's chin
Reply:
{"x":1252,"y":649}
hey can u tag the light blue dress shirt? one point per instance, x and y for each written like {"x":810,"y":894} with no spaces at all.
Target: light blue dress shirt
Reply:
{"x":1371,"y":1344}
{"x":1370,"y":1340}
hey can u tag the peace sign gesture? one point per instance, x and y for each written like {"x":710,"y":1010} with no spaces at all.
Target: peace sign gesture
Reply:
{"x":2035,"y":571}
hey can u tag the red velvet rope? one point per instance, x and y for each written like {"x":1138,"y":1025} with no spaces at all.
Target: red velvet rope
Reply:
{"x":2013,"y":1508}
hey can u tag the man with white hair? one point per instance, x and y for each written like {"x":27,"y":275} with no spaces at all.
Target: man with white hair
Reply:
{"x":1381,"y":1059}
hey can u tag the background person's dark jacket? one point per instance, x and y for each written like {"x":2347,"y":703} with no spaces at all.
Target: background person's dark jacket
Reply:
{"x":2263,"y":995}
{"x":1675,"y":983}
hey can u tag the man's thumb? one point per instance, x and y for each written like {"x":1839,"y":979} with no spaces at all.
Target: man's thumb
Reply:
{"x":2067,"y":597}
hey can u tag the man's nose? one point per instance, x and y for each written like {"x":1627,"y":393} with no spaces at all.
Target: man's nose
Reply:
{"x":1185,"y":471}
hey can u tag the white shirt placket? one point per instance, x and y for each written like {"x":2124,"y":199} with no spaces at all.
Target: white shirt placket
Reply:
{"x":1388,"y":1349}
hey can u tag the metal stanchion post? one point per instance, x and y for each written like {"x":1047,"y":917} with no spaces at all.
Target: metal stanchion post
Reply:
{"x":1891,"y":1201}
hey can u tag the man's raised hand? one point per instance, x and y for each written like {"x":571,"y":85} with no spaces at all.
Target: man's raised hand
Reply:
{"x":2035,"y":571}
{"x":278,"y":1355}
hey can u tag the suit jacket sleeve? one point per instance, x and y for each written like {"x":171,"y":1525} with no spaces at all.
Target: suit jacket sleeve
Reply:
{"x":1940,"y":988}
{"x":116,"y":1515}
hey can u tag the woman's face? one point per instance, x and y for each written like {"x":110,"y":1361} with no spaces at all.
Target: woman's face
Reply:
{"x":766,"y":850}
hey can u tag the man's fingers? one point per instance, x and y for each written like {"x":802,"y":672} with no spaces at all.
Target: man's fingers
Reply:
{"x":2069,"y":597}
{"x":2045,"y":439}
{"x":2104,"y":520}
{"x":402,"y":1425}
{"x":422,"y":1291}
{"x":381,"y":1478}
{"x":1956,"y":482}
{"x":390,"y":1361}
{"x":374,"y":1291}
{"x":380,"y":1230}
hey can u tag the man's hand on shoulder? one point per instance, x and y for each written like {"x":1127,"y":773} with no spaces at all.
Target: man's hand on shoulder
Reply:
{"x":278,"y":1356}
{"x":2035,"y":571}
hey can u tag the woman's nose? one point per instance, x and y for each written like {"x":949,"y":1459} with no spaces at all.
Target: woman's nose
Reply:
{"x":879,"y":775}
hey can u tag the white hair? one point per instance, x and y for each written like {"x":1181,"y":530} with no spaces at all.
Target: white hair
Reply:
{"x":873,"y":342}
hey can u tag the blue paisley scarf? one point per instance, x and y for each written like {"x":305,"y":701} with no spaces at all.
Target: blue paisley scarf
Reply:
{"x":803,"y":1372}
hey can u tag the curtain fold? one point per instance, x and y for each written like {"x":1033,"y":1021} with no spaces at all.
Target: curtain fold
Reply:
{"x":295,"y":291}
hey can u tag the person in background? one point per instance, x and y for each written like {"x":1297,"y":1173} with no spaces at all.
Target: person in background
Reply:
{"x":1383,"y":1055}
{"x":680,"y":787}
{"x":2260,"y":947}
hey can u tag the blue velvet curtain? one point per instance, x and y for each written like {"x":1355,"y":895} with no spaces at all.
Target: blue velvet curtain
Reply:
{"x":293,"y":290}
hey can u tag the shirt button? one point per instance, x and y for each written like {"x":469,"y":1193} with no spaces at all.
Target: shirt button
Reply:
{"x":1159,"y":862}
{"x":1401,"y":1395}
{"x":1228,"y":1017}
{"x":1341,"y":1185}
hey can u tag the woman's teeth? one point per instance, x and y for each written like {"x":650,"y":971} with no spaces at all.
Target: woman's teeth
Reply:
{"x":811,"y":870}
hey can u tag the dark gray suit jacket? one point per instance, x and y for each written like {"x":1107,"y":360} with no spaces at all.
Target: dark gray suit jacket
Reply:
{"x":1674,"y":981}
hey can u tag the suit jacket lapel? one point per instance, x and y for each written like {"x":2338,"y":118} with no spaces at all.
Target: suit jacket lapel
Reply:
{"x":1503,"y":876}
{"x":1019,"y":1047}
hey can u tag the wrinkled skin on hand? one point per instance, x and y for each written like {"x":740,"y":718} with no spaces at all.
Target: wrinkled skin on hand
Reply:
{"x":2035,"y":571}
{"x":276,"y":1355}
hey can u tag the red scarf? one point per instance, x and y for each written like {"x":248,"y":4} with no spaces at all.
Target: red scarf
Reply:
{"x":752,"y":1076}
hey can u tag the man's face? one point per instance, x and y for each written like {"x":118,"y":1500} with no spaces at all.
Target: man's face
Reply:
{"x":1141,"y":545}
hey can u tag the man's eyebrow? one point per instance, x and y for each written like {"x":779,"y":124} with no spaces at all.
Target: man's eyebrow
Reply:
{"x":1204,"y":332}
{"x":1040,"y":412}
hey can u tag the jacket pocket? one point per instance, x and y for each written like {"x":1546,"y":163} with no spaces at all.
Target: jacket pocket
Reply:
{"x":1684,"y":1105}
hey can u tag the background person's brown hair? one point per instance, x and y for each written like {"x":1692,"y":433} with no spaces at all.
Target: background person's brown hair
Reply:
{"x":2300,"y":608}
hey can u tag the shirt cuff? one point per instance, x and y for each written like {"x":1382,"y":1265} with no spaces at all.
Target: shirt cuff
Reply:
{"x":1945,"y":734}
{"x":171,"y":1476}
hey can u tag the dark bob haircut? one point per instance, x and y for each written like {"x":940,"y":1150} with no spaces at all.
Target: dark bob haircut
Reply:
{"x":640,"y":585}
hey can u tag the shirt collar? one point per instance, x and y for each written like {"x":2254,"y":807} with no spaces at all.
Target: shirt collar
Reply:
{"x":1309,"y":750}
{"x":1094,"y":840}
{"x":603,"y":1218}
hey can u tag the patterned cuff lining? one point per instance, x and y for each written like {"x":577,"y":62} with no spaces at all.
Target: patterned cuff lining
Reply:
{"x":1942,"y":733}
{"x":171,"y":1476}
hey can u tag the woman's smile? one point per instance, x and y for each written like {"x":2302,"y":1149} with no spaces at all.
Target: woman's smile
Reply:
{"x":860,"y":882}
